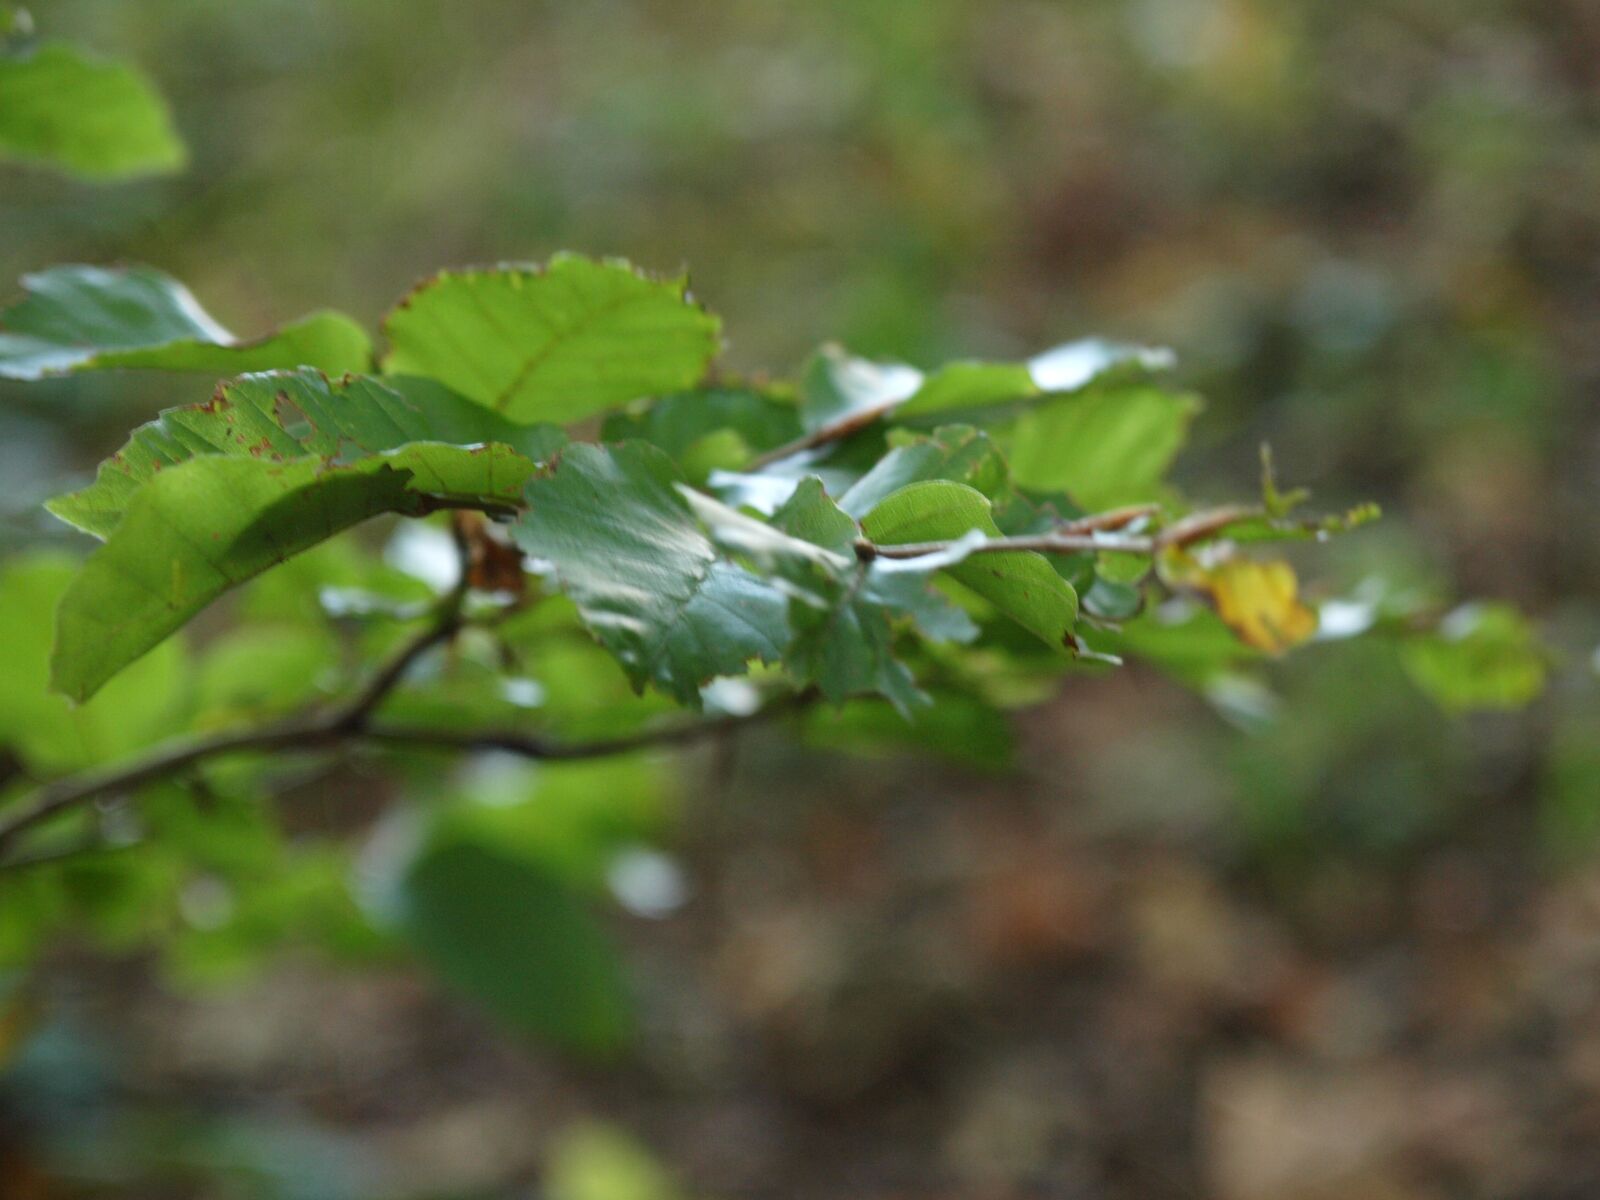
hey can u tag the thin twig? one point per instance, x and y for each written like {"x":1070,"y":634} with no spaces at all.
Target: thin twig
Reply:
{"x":834,"y":431}
{"x":1071,"y":538}
{"x":1042,"y":543}
{"x":1205,"y":523}
{"x":310,"y":730}
{"x":326,"y":730}
{"x":532,"y":745}
{"x":1116,"y":518}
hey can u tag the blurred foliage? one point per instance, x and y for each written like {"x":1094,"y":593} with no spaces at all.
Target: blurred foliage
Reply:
{"x":1370,"y":231}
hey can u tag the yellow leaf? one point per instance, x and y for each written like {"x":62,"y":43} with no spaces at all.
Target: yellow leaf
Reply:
{"x":1261,"y":603}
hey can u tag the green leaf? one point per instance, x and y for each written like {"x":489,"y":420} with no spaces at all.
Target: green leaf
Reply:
{"x":201,"y":527}
{"x":77,"y":318}
{"x":685,"y":424}
{"x":844,"y":643}
{"x":840,"y":608}
{"x":503,"y":931}
{"x":599,"y":1162}
{"x":1187,"y":641}
{"x":557,"y":344}
{"x":954,"y":452}
{"x":283,"y":415}
{"x":623,"y":543}
{"x":573,"y":819}
{"x":837,"y":388}
{"x":1104,"y":447}
{"x":65,"y":109}
{"x":1063,"y":369}
{"x":50,"y":735}
{"x":264,"y":669}
{"x":1022,"y":585}
{"x":1482,"y":656}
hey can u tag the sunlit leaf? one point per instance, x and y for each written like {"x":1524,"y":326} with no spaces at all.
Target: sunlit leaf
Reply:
{"x":1259,"y":601}
{"x":552,"y":344}
{"x":62,"y":108}
{"x":1481,"y":656}
{"x":1103,"y":447}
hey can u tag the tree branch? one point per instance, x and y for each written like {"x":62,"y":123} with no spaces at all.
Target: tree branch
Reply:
{"x":351,"y":723}
{"x":532,"y":745}
{"x":309,"y":730}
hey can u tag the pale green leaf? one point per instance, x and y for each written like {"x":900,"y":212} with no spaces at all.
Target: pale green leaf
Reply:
{"x":1482,"y":656}
{"x":601,"y":1162}
{"x":51,"y":735}
{"x":62,"y":108}
{"x":554,"y":344}
{"x":1103,"y":447}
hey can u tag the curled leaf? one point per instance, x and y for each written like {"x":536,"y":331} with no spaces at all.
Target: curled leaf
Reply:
{"x":1259,"y":601}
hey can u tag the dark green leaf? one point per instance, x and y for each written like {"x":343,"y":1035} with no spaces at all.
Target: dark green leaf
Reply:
{"x":625,"y":546}
{"x":1022,"y":585}
{"x":282,"y":415}
{"x":201,"y":527}
{"x":956,"y":727}
{"x":501,"y":930}
{"x":96,"y":318}
{"x":691,"y":426}
{"x":556,"y":344}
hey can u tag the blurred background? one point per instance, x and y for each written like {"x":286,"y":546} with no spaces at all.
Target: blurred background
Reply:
{"x":1352,"y":950}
